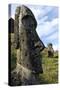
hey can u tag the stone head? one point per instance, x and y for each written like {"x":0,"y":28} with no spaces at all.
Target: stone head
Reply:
{"x":26,"y":18}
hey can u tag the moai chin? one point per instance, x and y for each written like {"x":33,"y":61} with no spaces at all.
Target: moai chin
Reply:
{"x":28,"y":46}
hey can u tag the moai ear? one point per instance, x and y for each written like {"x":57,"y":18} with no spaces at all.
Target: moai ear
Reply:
{"x":16,"y":27}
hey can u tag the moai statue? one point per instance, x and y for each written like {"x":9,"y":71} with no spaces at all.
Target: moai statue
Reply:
{"x":50,"y":50}
{"x":11,"y":31}
{"x":28,"y":46}
{"x":11,"y":25}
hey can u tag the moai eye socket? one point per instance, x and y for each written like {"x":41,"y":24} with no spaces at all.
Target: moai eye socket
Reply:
{"x":28,"y":22}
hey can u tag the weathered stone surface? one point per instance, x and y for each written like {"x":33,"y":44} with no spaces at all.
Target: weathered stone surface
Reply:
{"x":23,"y":76}
{"x":16,"y":27}
{"x":29,"y":46}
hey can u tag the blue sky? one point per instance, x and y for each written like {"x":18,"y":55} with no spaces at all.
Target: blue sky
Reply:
{"x":47,"y":19}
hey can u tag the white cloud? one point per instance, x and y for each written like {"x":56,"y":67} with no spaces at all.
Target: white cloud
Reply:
{"x":40,"y":11}
{"x":42,"y":20}
{"x":48,"y":32}
{"x":47,"y":27}
{"x":13,"y":16}
{"x":54,"y":36}
{"x":54,"y":22}
{"x":55,"y":47}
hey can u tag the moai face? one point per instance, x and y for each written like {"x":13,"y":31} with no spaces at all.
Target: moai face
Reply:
{"x":26,"y":26}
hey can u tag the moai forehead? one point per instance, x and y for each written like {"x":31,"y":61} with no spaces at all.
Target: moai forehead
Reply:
{"x":26,"y":17}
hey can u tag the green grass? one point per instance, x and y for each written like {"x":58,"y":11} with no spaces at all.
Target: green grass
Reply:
{"x":50,"y":70}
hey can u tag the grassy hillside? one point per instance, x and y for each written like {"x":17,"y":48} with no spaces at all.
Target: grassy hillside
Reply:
{"x":50,"y":70}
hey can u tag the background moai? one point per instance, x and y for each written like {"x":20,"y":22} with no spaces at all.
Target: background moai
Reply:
{"x":11,"y":32}
{"x":50,"y":50}
{"x":11,"y":25}
{"x":28,"y":47}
